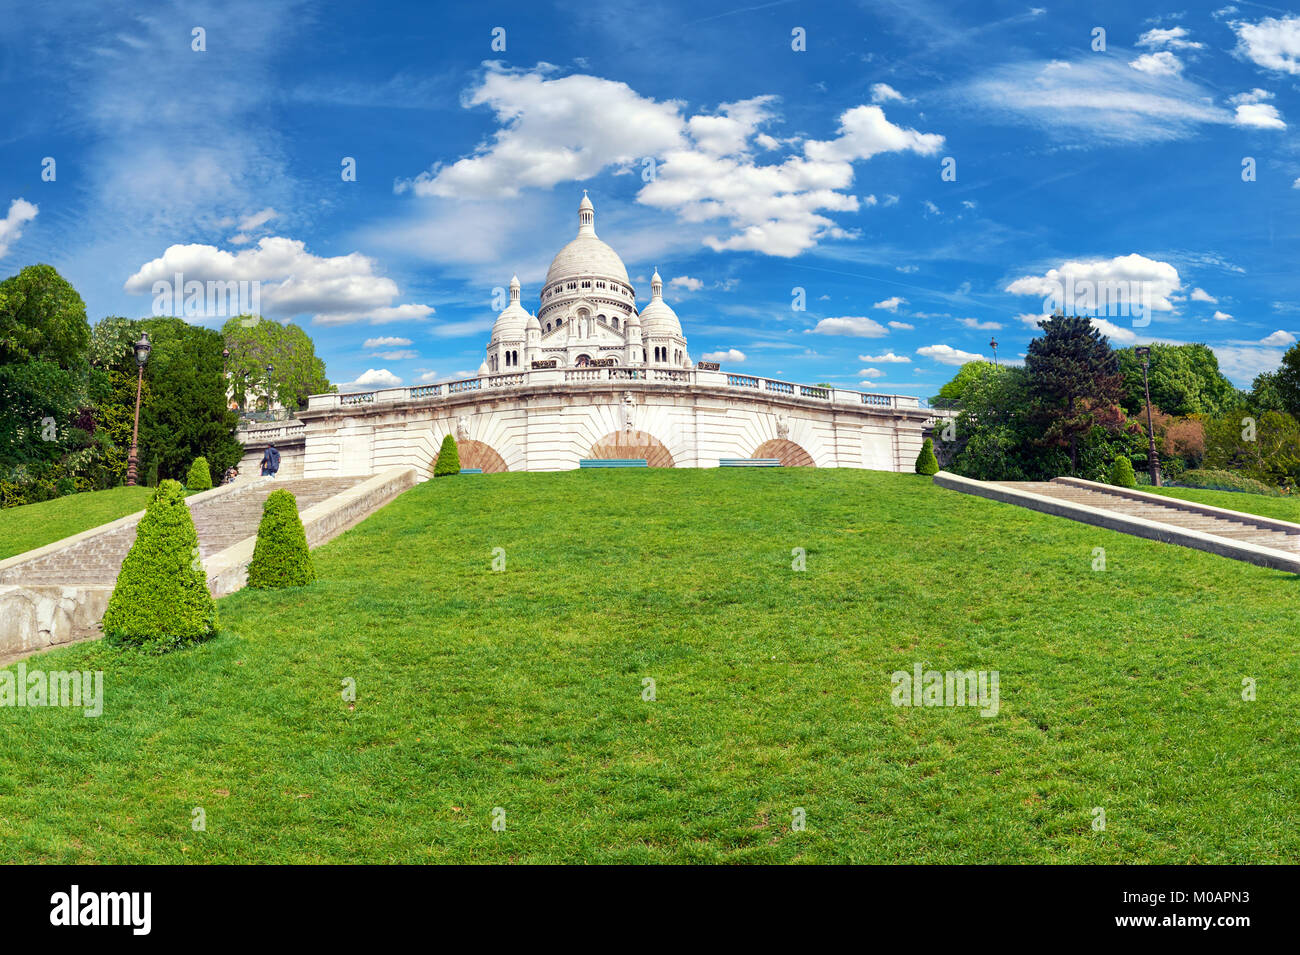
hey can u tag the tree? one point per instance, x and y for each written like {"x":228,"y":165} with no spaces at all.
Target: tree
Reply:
{"x":42,"y":318}
{"x":969,"y":376}
{"x":1286,"y":381}
{"x":1121,"y":472}
{"x":161,"y":598}
{"x":448,"y":458}
{"x":1184,"y":380}
{"x":926,"y":462}
{"x":255,"y":343}
{"x":1264,"y":394}
{"x":281,"y":557}
{"x":1075,"y":383}
{"x":200,"y":478}
{"x":1264,"y":447}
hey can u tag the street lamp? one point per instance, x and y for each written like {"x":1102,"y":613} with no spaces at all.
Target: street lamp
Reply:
{"x":993,"y":343}
{"x":142,"y":349}
{"x":1153,"y":462}
{"x":270,"y":370}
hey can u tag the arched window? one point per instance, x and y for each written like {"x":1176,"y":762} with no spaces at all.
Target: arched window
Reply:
{"x":616,"y":321}
{"x":548,"y":326}
{"x":559,"y":322}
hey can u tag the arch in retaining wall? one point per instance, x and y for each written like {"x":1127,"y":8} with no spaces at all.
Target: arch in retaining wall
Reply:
{"x":787,"y":452}
{"x":476,"y":454}
{"x":633,"y":444}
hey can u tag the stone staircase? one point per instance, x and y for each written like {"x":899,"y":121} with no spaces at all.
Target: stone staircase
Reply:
{"x":221,"y":523}
{"x":1265,"y":541}
{"x":1243,"y":527}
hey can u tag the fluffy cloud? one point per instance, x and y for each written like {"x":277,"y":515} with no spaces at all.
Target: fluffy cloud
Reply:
{"x":336,"y":290}
{"x":902,"y":326}
{"x":11,"y":226}
{"x":891,"y":304}
{"x":732,"y":355}
{"x":947,"y":355}
{"x":976,"y":324}
{"x":1279,"y":337}
{"x":1163,"y":63}
{"x":386,"y":341}
{"x":562,"y":129}
{"x":858,"y":325}
{"x":687,"y":282}
{"x":1200,"y":295}
{"x":871,"y":373}
{"x":1271,"y":43}
{"x":1222,"y":316}
{"x":888,"y":358}
{"x":1253,"y":111}
{"x":250,"y":224}
{"x":1173,"y":38}
{"x":884,"y":93}
{"x":374,"y":378}
{"x":1124,"y":283}
{"x":1116,"y":333}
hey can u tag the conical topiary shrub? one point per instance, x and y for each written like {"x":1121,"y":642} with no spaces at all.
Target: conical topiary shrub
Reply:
{"x":161,"y":600}
{"x":448,"y":458}
{"x":1121,"y":472}
{"x":926,"y":462}
{"x":281,"y":557}
{"x":200,"y":478}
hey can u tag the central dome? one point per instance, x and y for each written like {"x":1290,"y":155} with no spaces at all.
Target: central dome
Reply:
{"x":586,"y":255}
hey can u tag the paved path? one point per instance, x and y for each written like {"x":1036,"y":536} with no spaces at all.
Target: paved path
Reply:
{"x":220,"y":522}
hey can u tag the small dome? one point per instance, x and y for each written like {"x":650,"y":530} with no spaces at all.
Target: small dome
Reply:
{"x":658,"y":320}
{"x":512,"y":322}
{"x":586,"y":255}
{"x":483,"y":369}
{"x":533,"y":324}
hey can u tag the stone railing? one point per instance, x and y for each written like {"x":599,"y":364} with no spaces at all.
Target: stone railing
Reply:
{"x":541,"y":377}
{"x":272,"y":431}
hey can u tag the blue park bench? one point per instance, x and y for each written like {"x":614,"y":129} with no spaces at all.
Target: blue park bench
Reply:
{"x":471,"y":470}
{"x":612,"y":463}
{"x":749,"y":463}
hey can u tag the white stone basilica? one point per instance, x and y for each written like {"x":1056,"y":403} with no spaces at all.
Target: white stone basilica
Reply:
{"x":587,"y":316}
{"x":590,"y":376}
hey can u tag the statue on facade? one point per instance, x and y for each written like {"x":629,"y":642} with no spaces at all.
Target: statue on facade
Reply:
{"x":782,"y":427}
{"x":462,"y":429}
{"x":629,"y":410}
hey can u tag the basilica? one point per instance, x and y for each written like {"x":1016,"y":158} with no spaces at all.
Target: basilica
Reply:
{"x":587,"y":315}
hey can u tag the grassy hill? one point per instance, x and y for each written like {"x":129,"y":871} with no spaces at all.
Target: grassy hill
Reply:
{"x":35,"y":525}
{"x":523,"y":690}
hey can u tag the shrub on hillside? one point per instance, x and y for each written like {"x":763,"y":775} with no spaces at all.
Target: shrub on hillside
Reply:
{"x":448,"y":458}
{"x":200,"y":478}
{"x":1121,"y":473}
{"x":281,"y":557}
{"x":926,"y":462}
{"x":161,"y":599}
{"x":1224,"y":481}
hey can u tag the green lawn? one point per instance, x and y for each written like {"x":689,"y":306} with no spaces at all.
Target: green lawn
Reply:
{"x":1282,"y":508}
{"x":35,"y":525}
{"x":522,"y":689}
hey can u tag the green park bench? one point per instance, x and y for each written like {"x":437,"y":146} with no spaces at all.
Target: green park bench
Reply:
{"x":612,"y":463}
{"x":749,"y":463}
{"x":471,"y":470}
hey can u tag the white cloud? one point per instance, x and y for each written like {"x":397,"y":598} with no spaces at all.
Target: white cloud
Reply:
{"x":884,"y":93}
{"x":554,"y":130}
{"x":1174,"y":38}
{"x":732,"y":355}
{"x":401,"y":354}
{"x":11,"y":226}
{"x":1271,"y":43}
{"x":386,"y":341}
{"x":687,"y":282}
{"x":1279,"y":337}
{"x":1222,"y":316}
{"x":858,"y":325}
{"x":888,"y":358}
{"x":891,"y":304}
{"x":1116,"y":333}
{"x":1126,"y":281}
{"x":252,"y":223}
{"x":1242,"y":363}
{"x":336,"y":290}
{"x":1253,"y":111}
{"x":947,"y":355}
{"x":871,"y":373}
{"x":1163,"y":63}
{"x":1031,"y":319}
{"x":375,"y":378}
{"x":975,"y":323}
{"x":1200,"y":295}
{"x":902,"y":326}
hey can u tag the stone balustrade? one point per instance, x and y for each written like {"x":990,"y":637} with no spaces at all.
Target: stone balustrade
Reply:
{"x":667,"y":377}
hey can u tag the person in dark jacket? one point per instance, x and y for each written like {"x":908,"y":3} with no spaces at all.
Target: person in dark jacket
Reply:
{"x":270,"y":460}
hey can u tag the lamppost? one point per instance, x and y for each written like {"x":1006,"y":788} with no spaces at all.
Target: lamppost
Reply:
{"x":142,"y":349}
{"x":270,"y":370}
{"x":1153,"y":462}
{"x":993,"y":343}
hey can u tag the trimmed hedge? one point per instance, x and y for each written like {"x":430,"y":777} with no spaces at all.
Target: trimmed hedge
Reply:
{"x":1121,"y":473}
{"x":161,"y":599}
{"x":281,"y":557}
{"x":200,"y":478}
{"x":926,"y":462}
{"x":448,"y":458}
{"x":1211,"y":479}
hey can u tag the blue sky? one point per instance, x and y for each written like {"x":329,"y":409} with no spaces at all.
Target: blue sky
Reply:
{"x":742,"y":168}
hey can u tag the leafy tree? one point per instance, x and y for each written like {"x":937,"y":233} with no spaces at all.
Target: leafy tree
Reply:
{"x":255,"y":343}
{"x":448,"y":458}
{"x":968,"y":376}
{"x":1184,"y":380}
{"x":926,"y":462}
{"x":1264,"y":393}
{"x":161,"y":598}
{"x":1121,"y":472}
{"x":281,"y":557}
{"x":1265,"y":447}
{"x":1075,"y":384}
{"x":42,"y":318}
{"x":1286,"y":381}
